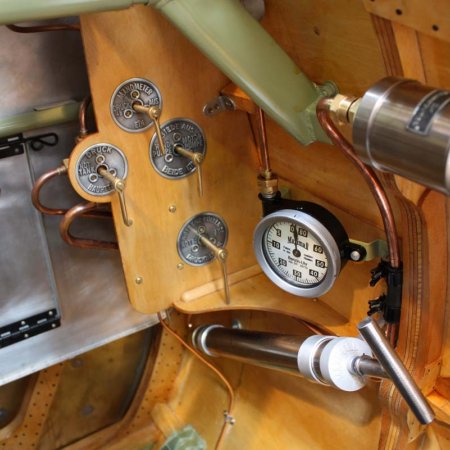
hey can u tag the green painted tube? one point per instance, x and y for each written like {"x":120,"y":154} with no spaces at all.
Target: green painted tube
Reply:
{"x":12,"y":11}
{"x":20,"y":123}
{"x":227,"y":34}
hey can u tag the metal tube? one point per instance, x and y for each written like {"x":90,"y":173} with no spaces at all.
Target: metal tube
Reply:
{"x":264,"y":148}
{"x":82,"y":113}
{"x":64,"y":228}
{"x":13,"y":125}
{"x":275,"y":351}
{"x":36,"y":191}
{"x":396,"y":370}
{"x":371,"y":178}
{"x":236,"y":43}
{"x":369,"y":367}
{"x":13,"y":11}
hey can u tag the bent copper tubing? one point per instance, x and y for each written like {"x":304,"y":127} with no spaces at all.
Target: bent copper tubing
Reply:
{"x":82,"y":118}
{"x":44,"y":179}
{"x":81,"y":210}
{"x":369,"y":175}
{"x":35,"y":192}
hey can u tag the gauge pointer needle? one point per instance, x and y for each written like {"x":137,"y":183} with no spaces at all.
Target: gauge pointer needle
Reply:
{"x":296,"y":252}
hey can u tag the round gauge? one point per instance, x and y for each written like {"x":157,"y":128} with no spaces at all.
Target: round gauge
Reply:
{"x":94,"y":157}
{"x":208,"y":225}
{"x":299,"y":252}
{"x":183,"y":132}
{"x":134,"y":90}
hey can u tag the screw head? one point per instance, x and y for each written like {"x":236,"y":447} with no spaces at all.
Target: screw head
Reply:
{"x":138,"y":280}
{"x":180,"y":266}
{"x":355,"y":255}
{"x":172,"y":208}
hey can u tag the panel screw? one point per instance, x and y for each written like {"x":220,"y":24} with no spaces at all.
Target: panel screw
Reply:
{"x":355,"y":255}
{"x":87,"y":410}
{"x":172,"y":208}
{"x":139,"y":280}
{"x":180,"y":266}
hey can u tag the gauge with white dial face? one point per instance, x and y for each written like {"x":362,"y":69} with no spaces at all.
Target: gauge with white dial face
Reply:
{"x":297,"y":252}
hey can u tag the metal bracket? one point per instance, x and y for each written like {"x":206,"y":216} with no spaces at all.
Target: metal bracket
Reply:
{"x":374,"y":249}
{"x":219,"y":104}
{"x":28,"y":327}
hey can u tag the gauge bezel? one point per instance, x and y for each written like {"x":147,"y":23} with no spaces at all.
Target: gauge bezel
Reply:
{"x":319,"y":231}
{"x":186,"y":223}
{"x":89,"y":149}
{"x":116,"y":91}
{"x":155,"y":137}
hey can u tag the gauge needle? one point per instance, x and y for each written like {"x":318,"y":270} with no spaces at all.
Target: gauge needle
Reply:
{"x":296,"y":251}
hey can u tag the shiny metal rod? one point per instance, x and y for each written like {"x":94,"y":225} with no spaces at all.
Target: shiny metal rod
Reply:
{"x":394,"y":367}
{"x":275,"y":351}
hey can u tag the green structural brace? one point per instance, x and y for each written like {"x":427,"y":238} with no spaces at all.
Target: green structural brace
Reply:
{"x":232,"y":39}
{"x":13,"y":125}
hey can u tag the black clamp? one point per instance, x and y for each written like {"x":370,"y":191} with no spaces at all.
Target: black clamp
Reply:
{"x":15,"y":145}
{"x":391,"y":302}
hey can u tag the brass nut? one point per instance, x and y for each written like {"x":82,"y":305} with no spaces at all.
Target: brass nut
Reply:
{"x":343,"y":108}
{"x":267,"y":186}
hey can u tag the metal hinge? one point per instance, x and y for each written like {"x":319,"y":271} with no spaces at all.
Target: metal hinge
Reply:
{"x":28,"y":327}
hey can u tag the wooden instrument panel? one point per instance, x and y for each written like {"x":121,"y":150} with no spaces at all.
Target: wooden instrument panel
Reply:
{"x":139,"y":43}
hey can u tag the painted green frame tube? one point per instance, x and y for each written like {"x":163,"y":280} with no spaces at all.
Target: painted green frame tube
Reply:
{"x":230,"y":37}
{"x":12,"y":11}
{"x":13,"y":125}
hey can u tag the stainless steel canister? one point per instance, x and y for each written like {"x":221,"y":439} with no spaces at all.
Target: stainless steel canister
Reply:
{"x":402,"y":126}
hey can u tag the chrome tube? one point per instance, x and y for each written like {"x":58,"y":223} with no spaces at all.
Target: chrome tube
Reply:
{"x":369,"y":367}
{"x":270,"y":350}
{"x":394,"y":367}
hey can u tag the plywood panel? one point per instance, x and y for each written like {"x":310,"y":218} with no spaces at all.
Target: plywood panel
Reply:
{"x":140,"y":43}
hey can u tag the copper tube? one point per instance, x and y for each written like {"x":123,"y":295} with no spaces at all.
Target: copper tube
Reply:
{"x":40,"y":28}
{"x":226,"y":424}
{"x":77,"y":211}
{"x":264,"y":149}
{"x":35,"y":192}
{"x":369,"y":175}
{"x":82,"y":118}
{"x":391,"y":333}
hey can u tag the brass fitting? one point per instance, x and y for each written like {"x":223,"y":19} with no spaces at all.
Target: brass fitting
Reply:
{"x":267,"y":184}
{"x":343,"y":108}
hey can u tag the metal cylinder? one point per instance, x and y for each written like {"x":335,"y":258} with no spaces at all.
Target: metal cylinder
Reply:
{"x":275,"y":351}
{"x":325,"y":360}
{"x":396,"y":370}
{"x":402,"y":126}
